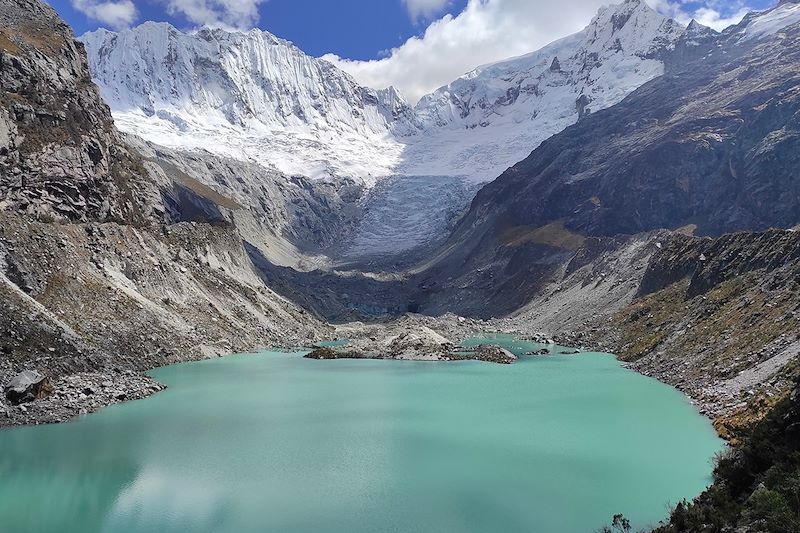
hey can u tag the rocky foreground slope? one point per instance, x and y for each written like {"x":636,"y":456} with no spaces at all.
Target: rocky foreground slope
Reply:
{"x":60,"y":155}
{"x":756,"y":484}
{"x":717,"y":318}
{"x":113,"y":259}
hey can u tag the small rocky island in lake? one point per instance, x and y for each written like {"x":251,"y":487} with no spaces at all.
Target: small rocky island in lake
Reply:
{"x":412,"y":344}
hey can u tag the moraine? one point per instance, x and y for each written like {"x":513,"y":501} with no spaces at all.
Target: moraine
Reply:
{"x":275,"y":442}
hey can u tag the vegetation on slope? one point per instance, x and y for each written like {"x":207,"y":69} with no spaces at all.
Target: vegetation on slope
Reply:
{"x":756,"y":485}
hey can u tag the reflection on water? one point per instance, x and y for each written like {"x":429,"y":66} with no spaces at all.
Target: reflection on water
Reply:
{"x":44,"y":480}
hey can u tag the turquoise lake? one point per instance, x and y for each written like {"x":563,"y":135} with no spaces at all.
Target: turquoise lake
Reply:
{"x":275,"y":442}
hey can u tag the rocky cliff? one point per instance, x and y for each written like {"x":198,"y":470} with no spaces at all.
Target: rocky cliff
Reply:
{"x":115,"y":257}
{"x":60,"y":156}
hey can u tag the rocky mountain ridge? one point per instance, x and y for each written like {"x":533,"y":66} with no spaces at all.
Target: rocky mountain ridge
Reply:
{"x":60,"y":155}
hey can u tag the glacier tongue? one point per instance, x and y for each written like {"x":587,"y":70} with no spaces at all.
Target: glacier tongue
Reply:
{"x":256,"y":97}
{"x":407,"y":212}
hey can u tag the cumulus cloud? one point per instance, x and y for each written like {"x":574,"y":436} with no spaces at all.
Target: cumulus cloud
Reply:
{"x":116,"y":14}
{"x":491,"y":30}
{"x":714,"y":19}
{"x":228,"y":14}
{"x":486,"y":31}
{"x":425,"y":9}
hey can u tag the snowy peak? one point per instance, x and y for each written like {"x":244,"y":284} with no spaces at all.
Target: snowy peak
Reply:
{"x":632,"y":27}
{"x":255,"y":96}
{"x":500,"y":112}
{"x":759,"y":25}
{"x":625,"y":36}
{"x":695,"y":29}
{"x":247,"y":95}
{"x":242,"y":79}
{"x":697,"y":35}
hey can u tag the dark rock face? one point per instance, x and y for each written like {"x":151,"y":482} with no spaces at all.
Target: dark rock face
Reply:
{"x":582,"y":104}
{"x":60,"y":157}
{"x":324,"y":354}
{"x":26,"y":387}
{"x":696,"y":42}
{"x":710,"y":262}
{"x":716,"y":146}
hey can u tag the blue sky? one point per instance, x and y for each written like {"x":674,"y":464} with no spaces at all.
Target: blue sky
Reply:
{"x":352,"y":29}
{"x":414,"y":45}
{"x":356,"y":29}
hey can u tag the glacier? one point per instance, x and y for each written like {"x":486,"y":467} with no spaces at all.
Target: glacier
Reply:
{"x":247,"y":95}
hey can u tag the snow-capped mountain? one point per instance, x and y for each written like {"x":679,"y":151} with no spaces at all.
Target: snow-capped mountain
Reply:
{"x":497,"y":114}
{"x":757,"y":25}
{"x":246,"y":95}
{"x":254,"y":96}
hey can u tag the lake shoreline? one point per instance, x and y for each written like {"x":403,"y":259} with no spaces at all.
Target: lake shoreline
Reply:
{"x":81,"y":394}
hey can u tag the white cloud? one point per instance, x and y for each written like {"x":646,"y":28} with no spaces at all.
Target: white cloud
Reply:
{"x":116,"y":14}
{"x":714,"y":19}
{"x":425,"y":9}
{"x":228,"y":14}
{"x":486,"y":31}
{"x":710,"y":14}
{"x":492,"y":30}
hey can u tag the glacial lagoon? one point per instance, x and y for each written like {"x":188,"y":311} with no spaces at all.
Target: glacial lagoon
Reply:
{"x":274,"y":442}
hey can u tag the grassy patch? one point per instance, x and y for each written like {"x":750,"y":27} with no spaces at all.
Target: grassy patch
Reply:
{"x":43,"y":39}
{"x":553,"y":234}
{"x":689,"y":230}
{"x":734,"y":319}
{"x":648,"y":321}
{"x":7,"y":45}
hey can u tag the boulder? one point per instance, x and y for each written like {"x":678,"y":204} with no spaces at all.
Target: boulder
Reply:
{"x":543,"y":351}
{"x":27,"y":386}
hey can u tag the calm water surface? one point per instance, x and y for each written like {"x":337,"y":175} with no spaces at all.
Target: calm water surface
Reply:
{"x":274,"y":442}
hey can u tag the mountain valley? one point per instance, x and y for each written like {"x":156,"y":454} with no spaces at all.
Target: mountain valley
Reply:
{"x":633,"y":188}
